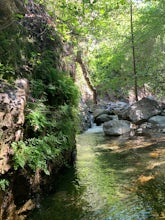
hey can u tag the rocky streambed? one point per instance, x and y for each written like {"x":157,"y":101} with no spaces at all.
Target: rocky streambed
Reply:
{"x":144,"y":117}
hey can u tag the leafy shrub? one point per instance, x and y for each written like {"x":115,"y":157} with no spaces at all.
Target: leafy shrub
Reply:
{"x":62,"y":90}
{"x":38,"y":89}
{"x":35,"y":153}
{"x":37,"y":118}
{"x":58,"y":87}
{"x":7,"y":72}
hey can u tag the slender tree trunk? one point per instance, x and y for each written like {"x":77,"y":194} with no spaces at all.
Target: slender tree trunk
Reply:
{"x":133,"y":53}
{"x":86,"y":76}
{"x":83,"y":7}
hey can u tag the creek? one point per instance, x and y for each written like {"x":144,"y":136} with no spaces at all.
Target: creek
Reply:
{"x":114,"y":178}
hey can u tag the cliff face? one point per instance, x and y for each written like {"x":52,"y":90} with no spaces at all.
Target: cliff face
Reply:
{"x":38,"y":99}
{"x":12,"y":106}
{"x":8,"y":9}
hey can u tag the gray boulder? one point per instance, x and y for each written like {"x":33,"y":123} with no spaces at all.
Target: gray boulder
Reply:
{"x":163,"y":112}
{"x":104,"y":117}
{"x":99,"y":112}
{"x":117,"y":107}
{"x":116,"y":127}
{"x":142,"y":110}
{"x":158,"y":120}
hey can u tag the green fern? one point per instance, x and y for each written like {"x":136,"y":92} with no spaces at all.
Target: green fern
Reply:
{"x":35,"y":153}
{"x":37,"y":117}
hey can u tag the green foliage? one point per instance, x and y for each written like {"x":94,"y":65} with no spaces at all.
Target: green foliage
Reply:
{"x":7,"y":72}
{"x":67,"y":125}
{"x":55,"y":131}
{"x":37,"y":118}
{"x":12,"y":48}
{"x":19,"y":16}
{"x":63,"y":91}
{"x":4,"y":183}
{"x":103,"y":27}
{"x":49,"y":82}
{"x":32,"y":48}
{"x":38,"y":89}
{"x":35,"y":153}
{"x":111,"y":58}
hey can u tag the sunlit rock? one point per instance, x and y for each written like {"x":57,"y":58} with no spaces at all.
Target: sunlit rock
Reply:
{"x":116,"y":127}
{"x":117,"y":106}
{"x":142,"y":110}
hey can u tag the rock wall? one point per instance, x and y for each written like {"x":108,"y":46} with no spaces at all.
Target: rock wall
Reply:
{"x":12,"y":106}
{"x":7,"y":10}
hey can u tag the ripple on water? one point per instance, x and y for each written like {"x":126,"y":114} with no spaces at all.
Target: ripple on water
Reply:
{"x":113,"y":179}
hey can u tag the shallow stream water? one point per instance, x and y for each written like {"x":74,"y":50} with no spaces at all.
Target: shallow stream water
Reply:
{"x":119,"y":178}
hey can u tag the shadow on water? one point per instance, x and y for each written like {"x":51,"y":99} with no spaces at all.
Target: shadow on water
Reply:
{"x":117,"y":178}
{"x":67,"y":202}
{"x":139,"y":170}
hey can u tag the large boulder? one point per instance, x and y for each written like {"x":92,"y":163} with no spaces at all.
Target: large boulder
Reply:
{"x":142,"y":110}
{"x":99,"y":111}
{"x":162,"y":104}
{"x":116,"y":127}
{"x":158,"y":120}
{"x":117,"y":106}
{"x":103,"y":118}
{"x":101,"y":115}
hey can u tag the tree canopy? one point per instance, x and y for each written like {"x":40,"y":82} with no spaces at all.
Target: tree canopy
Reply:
{"x":102,"y":30}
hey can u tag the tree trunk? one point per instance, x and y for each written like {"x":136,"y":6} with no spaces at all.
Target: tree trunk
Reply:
{"x":86,"y":76}
{"x":133,"y":53}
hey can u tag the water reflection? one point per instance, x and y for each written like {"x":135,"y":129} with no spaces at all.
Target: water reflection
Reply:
{"x":153,"y":192}
{"x":114,"y":178}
